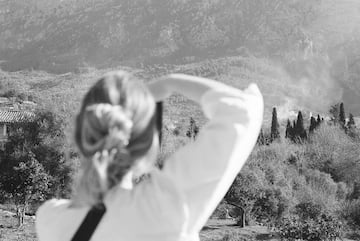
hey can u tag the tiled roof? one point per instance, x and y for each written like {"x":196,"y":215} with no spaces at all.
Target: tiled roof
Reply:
{"x":8,"y":116}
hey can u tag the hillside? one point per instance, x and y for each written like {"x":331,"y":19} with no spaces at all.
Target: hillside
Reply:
{"x":303,"y":55}
{"x":62,"y":36}
{"x":64,"y":92}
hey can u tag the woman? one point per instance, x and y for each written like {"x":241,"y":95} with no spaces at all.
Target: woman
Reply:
{"x":117,"y":138}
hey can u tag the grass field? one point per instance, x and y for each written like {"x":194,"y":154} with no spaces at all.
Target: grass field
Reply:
{"x":9,"y":230}
{"x":214,"y":230}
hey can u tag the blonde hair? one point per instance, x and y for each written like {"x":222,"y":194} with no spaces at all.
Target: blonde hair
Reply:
{"x":117,"y":114}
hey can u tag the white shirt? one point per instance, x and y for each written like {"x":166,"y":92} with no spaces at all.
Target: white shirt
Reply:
{"x":175,"y":203}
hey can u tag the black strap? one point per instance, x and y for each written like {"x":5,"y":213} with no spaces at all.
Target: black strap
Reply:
{"x":90,"y":223}
{"x":159,"y":118}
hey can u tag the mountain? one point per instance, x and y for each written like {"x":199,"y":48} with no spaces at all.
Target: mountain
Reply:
{"x":60,"y":36}
{"x":303,"y":55}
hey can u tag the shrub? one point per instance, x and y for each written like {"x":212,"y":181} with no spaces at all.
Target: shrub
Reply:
{"x":342,"y":190}
{"x":323,"y":188}
{"x":270,"y":205}
{"x":332,"y":151}
{"x":308,"y":210}
{"x":350,"y":211}
{"x":324,"y":227}
{"x":234,"y":236}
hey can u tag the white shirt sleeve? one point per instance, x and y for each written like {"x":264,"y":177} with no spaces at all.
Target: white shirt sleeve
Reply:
{"x":205,"y":169}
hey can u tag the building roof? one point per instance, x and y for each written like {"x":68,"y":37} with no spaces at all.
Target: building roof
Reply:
{"x":11,"y":116}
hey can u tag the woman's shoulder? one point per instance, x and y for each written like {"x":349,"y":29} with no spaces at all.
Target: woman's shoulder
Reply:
{"x":53,"y":204}
{"x":56,"y":215}
{"x":50,"y":207}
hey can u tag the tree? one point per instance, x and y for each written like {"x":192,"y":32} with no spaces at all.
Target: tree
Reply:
{"x":289,"y":132}
{"x":275,"y":134}
{"x":193,"y":129}
{"x":351,"y":127}
{"x":335,"y":113}
{"x":24,"y":180}
{"x":242,"y":194}
{"x":318,"y":121}
{"x":38,"y":144}
{"x":342,"y":120}
{"x":300,"y":132}
{"x":261,"y":138}
{"x":313,"y":124}
{"x":270,"y":205}
{"x":351,"y":122}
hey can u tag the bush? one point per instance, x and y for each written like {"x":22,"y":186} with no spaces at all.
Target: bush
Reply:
{"x":350,"y":211}
{"x":308,"y":210}
{"x":331,"y":151}
{"x":323,"y":188}
{"x":233,"y":236}
{"x":270,"y":205}
{"x":324,"y":227}
{"x":342,"y":190}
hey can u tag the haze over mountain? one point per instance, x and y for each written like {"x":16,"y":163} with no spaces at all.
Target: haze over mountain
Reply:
{"x":302,"y":54}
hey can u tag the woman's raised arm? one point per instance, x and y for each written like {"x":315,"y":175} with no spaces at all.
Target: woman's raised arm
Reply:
{"x":204,"y":169}
{"x":190,"y":86}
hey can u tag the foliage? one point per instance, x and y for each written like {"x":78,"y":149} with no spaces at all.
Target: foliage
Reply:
{"x":306,"y":180}
{"x":325,"y":227}
{"x":261,"y":138}
{"x":350,"y":211}
{"x":44,"y":138}
{"x":145,"y":31}
{"x":270,"y":205}
{"x":236,"y":237}
{"x":296,"y":131}
{"x":313,"y":124}
{"x":243,"y":193}
{"x":193,"y":129}
{"x":300,"y":132}
{"x":275,"y":134}
{"x":332,"y":151}
{"x":24,"y":181}
{"x":308,"y":210}
{"x":342,"y":119}
{"x":351,"y":122}
{"x":334,"y":112}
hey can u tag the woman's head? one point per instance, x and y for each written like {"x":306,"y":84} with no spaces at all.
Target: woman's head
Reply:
{"x":117,"y":114}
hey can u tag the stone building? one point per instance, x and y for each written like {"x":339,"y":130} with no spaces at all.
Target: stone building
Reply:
{"x":11,"y":112}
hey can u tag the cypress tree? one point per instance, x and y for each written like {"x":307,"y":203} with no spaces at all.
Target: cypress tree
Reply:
{"x":313,"y":124}
{"x":288,"y":132}
{"x":351,"y":122}
{"x":335,"y":113}
{"x":342,"y":115}
{"x":293,"y":131}
{"x":318,"y":121}
{"x":300,"y":130}
{"x":261,"y":138}
{"x":193,"y":129}
{"x":275,"y":134}
{"x":351,"y":127}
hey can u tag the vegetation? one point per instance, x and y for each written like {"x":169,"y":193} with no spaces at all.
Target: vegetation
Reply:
{"x":307,"y":190}
{"x":193,"y":129}
{"x":275,"y":134}
{"x":33,"y":166}
{"x":293,"y":49}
